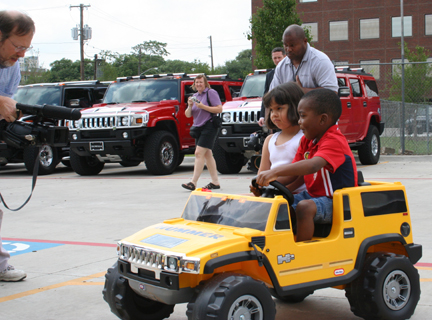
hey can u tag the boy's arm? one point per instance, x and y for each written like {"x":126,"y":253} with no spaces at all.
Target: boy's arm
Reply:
{"x":295,"y":184}
{"x":299,"y":168}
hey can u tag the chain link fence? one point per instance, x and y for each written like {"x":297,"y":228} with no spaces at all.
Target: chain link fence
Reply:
{"x":406,"y":105}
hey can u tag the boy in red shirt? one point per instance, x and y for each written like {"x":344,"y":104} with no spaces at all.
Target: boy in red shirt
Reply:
{"x":324,"y":159}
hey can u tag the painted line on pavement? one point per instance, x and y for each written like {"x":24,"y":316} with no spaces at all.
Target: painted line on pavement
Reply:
{"x":77,"y":243}
{"x":77,"y":282}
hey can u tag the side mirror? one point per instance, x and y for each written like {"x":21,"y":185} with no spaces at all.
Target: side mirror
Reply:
{"x":74,"y":103}
{"x":344,"y":92}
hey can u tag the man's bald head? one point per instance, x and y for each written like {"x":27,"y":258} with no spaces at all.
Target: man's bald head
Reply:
{"x":294,"y":31}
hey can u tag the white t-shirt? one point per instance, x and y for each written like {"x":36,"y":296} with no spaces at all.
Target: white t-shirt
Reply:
{"x":284,"y":153}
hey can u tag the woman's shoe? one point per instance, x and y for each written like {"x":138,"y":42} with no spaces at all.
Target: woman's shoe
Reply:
{"x":211,"y":186}
{"x":190,"y":186}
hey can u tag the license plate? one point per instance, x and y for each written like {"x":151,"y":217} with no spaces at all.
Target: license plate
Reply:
{"x":246,"y":141}
{"x":97,"y":146}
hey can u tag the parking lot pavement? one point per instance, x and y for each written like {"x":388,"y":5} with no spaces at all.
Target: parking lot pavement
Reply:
{"x":65,"y":237}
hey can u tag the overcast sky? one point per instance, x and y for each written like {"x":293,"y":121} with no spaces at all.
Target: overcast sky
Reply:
{"x":185,"y":25}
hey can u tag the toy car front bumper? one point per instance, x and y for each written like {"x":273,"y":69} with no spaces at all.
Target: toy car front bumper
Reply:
{"x":165,"y":290}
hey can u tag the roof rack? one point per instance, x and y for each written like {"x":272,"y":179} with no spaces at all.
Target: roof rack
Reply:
{"x":179,"y":75}
{"x":260,"y":71}
{"x":348,"y":69}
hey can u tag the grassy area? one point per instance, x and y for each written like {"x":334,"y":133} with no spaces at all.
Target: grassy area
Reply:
{"x":417,"y":145}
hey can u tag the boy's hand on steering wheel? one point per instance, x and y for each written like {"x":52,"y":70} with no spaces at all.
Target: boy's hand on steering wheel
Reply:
{"x":256,"y":192}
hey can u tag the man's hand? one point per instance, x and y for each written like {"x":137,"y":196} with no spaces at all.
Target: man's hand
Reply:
{"x":265,"y":177}
{"x":261,"y":122}
{"x":8,"y":109}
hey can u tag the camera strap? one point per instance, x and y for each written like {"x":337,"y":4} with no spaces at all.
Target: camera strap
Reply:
{"x":35,"y":173}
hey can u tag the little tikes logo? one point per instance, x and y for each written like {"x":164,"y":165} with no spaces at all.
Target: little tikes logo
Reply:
{"x":339,"y":272}
{"x":306,"y":155}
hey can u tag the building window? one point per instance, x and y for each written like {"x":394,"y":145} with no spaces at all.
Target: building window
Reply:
{"x":371,"y":66}
{"x":313,"y":30}
{"x":338,"y":30}
{"x":369,"y":28}
{"x":397,"y":28}
{"x":428,"y":24}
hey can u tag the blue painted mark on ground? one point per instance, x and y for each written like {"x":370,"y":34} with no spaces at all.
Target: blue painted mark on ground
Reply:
{"x":19,"y":247}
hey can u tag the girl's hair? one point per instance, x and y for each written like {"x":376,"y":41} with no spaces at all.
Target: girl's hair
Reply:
{"x":287,"y":93}
{"x":200,"y":76}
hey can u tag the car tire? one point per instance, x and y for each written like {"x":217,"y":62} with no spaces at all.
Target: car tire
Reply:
{"x":161,"y":153}
{"x":48,"y":159}
{"x":388,"y":288}
{"x":228,"y":296}
{"x":369,"y":152}
{"x":227,"y":163}
{"x":293,"y":298}
{"x":85,"y":166}
{"x":126,"y":304}
{"x":180,"y":159}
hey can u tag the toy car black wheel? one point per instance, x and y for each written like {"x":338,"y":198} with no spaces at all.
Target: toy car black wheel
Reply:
{"x":130,"y":163}
{"x":293,"y":298}
{"x":388,"y":288}
{"x":126,"y":304}
{"x":286,"y":193}
{"x":369,"y":152}
{"x":48,"y":159}
{"x":232,"y":296}
{"x":161,"y":153}
{"x":226,"y":162}
{"x":85,"y":166}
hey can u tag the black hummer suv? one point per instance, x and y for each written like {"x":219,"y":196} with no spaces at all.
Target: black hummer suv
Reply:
{"x":76,"y":94}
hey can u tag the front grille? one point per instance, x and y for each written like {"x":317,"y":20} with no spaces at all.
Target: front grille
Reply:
{"x":242,"y":116}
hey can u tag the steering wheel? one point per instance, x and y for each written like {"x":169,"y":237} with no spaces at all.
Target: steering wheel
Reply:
{"x":286,"y":193}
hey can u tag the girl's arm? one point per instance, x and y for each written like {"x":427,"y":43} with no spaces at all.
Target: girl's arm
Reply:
{"x":265,"y":156}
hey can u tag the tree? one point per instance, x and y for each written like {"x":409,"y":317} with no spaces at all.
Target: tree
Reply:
{"x":149,"y":49}
{"x":267,"y":27}
{"x":66,"y":70}
{"x":239,"y":67}
{"x":417,"y":77}
{"x":175,"y":66}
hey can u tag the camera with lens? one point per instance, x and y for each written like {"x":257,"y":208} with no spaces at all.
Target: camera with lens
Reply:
{"x":194,"y":99}
{"x":32,"y":131}
{"x":256,"y":140}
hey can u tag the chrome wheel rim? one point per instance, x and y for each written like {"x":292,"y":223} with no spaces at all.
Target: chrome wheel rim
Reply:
{"x":396,"y":290}
{"x":46,"y":155}
{"x":167,"y":154}
{"x":246,"y":307}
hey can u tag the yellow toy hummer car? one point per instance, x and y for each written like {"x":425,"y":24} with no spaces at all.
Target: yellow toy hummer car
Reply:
{"x":229,"y":254}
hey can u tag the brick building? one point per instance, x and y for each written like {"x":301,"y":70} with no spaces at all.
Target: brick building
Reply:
{"x":365,"y":32}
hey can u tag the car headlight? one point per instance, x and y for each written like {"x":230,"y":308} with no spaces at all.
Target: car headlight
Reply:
{"x":125,"y":121}
{"x":171,"y":263}
{"x":226,"y":117}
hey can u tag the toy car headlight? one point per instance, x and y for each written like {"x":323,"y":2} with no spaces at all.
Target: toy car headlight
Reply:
{"x":226,"y":117}
{"x":171,"y":263}
{"x":190,"y":265}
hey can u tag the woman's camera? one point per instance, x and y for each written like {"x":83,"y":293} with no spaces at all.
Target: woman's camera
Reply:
{"x":194,"y":99}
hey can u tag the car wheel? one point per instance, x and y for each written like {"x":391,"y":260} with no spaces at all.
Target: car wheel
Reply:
{"x":232,"y":296}
{"x":293,"y":298}
{"x":48,"y":159}
{"x":126,"y":304}
{"x":388,"y":288}
{"x":369,"y":152}
{"x":161,"y":153}
{"x":85,"y":166}
{"x":180,"y":159}
{"x":227,"y":163}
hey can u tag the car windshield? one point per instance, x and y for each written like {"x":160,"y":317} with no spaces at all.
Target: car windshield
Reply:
{"x":142,"y":90}
{"x":253,"y":86}
{"x":39,"y":95}
{"x":241,"y":213}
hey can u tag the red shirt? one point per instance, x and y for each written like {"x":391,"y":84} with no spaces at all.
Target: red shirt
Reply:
{"x":341,"y":171}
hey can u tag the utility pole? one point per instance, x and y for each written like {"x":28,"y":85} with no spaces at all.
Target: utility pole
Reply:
{"x":211,"y":53}
{"x":81,"y":34}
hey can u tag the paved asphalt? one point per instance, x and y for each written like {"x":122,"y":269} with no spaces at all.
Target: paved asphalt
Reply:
{"x":66,"y":235}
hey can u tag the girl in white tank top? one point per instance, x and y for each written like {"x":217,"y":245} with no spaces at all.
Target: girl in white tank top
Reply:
{"x":280,"y":148}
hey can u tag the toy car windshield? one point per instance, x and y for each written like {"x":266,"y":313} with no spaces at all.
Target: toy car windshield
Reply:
{"x":241,"y":213}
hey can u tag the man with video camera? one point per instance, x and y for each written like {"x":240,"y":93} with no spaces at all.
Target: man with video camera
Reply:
{"x":16,"y":33}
